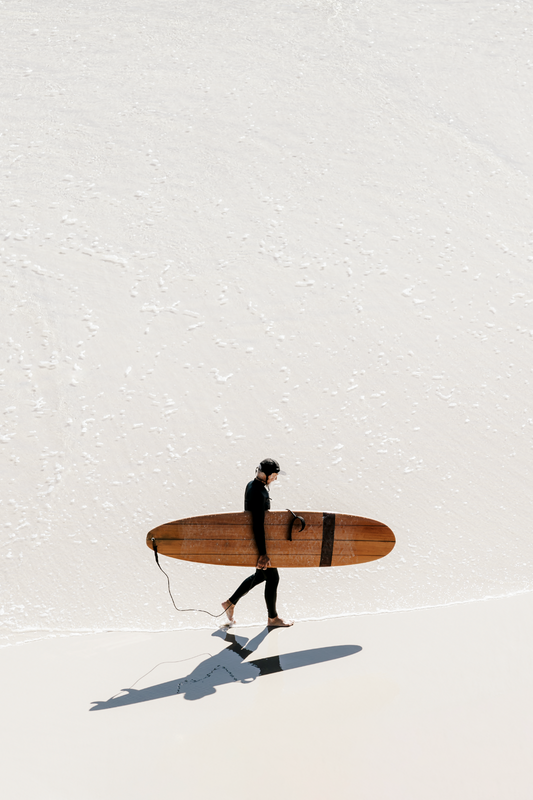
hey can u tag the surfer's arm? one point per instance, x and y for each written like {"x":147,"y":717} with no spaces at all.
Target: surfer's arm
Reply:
{"x":255,"y":503}
{"x":258,"y":527}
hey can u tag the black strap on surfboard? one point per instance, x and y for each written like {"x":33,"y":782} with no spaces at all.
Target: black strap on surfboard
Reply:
{"x":328,"y":539}
{"x":293,"y":520}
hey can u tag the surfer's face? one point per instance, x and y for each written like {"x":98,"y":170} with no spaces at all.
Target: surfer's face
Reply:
{"x":272,"y":477}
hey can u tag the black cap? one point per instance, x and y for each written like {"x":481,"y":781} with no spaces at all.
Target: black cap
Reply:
{"x":268,"y":466}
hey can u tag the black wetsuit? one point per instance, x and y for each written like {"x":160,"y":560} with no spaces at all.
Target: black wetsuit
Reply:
{"x":257,"y":500}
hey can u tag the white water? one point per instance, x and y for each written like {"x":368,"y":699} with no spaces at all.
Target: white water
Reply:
{"x":287,"y":229}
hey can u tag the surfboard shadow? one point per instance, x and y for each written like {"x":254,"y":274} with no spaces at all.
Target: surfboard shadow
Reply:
{"x":228,"y":666}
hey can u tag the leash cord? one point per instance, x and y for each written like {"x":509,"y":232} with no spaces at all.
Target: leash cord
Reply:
{"x":200,"y":610}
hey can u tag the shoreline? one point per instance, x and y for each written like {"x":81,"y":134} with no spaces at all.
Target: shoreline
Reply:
{"x":62,"y":634}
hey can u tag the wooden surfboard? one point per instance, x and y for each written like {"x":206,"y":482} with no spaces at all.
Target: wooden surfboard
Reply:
{"x":327,"y":540}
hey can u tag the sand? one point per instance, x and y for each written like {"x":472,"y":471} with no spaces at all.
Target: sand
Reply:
{"x":298,"y":230}
{"x":432,"y":703}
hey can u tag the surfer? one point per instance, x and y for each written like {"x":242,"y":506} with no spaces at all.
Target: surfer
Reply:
{"x":257,"y":500}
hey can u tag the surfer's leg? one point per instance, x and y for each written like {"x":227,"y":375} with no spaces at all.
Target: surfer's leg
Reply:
{"x":271,"y":592}
{"x":258,"y":577}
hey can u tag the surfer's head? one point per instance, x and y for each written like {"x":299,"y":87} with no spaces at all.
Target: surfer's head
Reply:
{"x":268,"y":470}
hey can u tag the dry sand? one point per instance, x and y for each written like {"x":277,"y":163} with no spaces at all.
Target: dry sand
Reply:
{"x":231,"y":231}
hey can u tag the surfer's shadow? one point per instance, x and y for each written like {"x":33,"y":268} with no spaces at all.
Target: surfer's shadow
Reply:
{"x":228,"y":666}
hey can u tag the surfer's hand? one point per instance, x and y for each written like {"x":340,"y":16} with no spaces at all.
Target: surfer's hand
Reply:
{"x":263,"y":562}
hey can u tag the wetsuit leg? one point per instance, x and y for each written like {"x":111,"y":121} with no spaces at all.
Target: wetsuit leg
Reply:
{"x":271,"y":591}
{"x":253,"y":580}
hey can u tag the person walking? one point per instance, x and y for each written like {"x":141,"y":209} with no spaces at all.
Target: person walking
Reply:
{"x":257,"y":500}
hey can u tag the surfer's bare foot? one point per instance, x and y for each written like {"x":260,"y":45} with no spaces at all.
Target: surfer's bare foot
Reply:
{"x":277,"y":622}
{"x":229,"y":609}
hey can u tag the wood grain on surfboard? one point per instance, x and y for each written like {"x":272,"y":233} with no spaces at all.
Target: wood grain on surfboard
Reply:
{"x":328,"y":539}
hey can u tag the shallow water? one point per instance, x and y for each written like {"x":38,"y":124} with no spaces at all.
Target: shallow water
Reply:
{"x":298,"y":231}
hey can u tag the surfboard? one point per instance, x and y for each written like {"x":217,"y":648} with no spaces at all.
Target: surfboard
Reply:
{"x":326,"y":540}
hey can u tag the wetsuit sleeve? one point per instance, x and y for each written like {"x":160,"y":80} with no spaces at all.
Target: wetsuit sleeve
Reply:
{"x":258,"y":525}
{"x":255,"y":502}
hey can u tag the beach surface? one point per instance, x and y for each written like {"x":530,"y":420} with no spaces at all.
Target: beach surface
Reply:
{"x":431,"y":703}
{"x":234,"y":231}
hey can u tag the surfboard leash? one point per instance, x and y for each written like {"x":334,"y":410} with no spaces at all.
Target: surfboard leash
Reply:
{"x":200,"y":610}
